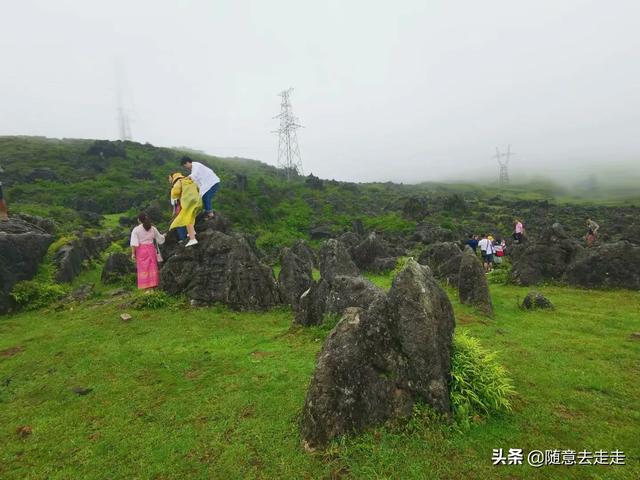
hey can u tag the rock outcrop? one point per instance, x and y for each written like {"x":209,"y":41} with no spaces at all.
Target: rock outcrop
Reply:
{"x":545,"y":259}
{"x":70,"y":257}
{"x":610,"y":265}
{"x":117,"y":267}
{"x":380,"y":360}
{"x":473,"y":288}
{"x":336,"y":260}
{"x":305,"y":252}
{"x":222,"y":267}
{"x":444,"y":260}
{"x":295,"y":277}
{"x":334,"y":297}
{"x":536,"y":301}
{"x":372,"y":254}
{"x":23,"y":245}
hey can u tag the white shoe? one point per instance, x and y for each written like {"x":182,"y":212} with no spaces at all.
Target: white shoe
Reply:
{"x":190,"y":243}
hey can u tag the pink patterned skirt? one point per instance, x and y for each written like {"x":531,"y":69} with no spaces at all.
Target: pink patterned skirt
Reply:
{"x":147,"y":265}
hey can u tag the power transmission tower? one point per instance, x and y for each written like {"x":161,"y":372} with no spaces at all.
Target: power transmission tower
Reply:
{"x":288,"y":150}
{"x":504,"y":165}
{"x":124,"y":125}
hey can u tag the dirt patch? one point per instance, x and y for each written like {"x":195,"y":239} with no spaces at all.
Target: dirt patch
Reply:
{"x":24,"y":431}
{"x":465,"y":319}
{"x":192,"y":374}
{"x":257,"y":354}
{"x":10,"y":352}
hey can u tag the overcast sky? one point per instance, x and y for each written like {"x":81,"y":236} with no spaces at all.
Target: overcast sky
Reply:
{"x":405,"y":91}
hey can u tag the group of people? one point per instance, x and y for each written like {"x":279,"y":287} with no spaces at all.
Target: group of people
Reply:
{"x":491,"y":249}
{"x":189,"y":196}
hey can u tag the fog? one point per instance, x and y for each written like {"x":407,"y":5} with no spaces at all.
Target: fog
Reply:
{"x":405,"y":91}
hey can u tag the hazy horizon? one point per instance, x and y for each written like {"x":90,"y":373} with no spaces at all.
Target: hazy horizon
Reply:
{"x":408,"y":93}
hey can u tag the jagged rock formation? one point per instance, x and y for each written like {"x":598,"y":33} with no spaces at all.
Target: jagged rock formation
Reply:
{"x":223,"y":267}
{"x":611,"y":265}
{"x":372,"y":254}
{"x":378,"y":361}
{"x":295,"y":277}
{"x":69,"y":257}
{"x":336,"y":260}
{"x":473,"y":288}
{"x":536,"y":301}
{"x":429,"y":234}
{"x":333,"y":297}
{"x":444,"y":260}
{"x":117,"y":267}
{"x":305,"y":252}
{"x":23,"y":245}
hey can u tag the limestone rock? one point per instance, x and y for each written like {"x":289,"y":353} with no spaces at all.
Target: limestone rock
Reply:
{"x":23,"y":245}
{"x":379,"y":361}
{"x":295,"y":277}
{"x":536,"y":301}
{"x":444,"y":260}
{"x":117,"y":267}
{"x":336,"y":260}
{"x":473,"y":288}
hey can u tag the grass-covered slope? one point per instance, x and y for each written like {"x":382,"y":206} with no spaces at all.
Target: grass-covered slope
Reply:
{"x":209,"y":393}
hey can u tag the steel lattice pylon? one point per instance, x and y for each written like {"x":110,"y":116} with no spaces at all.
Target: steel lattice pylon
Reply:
{"x":288,"y":150}
{"x":504,"y":165}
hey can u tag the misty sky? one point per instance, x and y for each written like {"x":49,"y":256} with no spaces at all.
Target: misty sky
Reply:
{"x":405,"y":91}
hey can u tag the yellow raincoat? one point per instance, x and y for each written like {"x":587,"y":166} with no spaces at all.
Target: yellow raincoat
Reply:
{"x":187,"y":192}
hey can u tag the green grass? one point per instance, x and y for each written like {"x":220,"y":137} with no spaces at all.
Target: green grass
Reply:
{"x":211,"y":393}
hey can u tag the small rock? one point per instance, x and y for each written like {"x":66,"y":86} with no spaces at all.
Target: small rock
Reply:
{"x":125,"y":317}
{"x":81,"y":390}
{"x":536,"y":301}
{"x":24,"y":431}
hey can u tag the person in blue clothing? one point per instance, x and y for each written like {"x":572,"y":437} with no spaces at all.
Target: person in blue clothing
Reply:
{"x":472,"y":242}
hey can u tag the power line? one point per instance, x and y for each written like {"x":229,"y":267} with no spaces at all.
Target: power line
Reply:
{"x":288,"y":150}
{"x":504,"y":165}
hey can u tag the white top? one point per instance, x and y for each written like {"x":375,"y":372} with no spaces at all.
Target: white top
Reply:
{"x":140,"y":236}
{"x":486,"y":246}
{"x":204,"y":177}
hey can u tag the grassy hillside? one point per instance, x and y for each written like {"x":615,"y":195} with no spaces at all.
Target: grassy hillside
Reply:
{"x":209,"y":393}
{"x":73,"y":180}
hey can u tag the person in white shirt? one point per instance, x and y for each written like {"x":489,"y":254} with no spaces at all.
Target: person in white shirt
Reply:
{"x":487,"y":249}
{"x":206,"y":179}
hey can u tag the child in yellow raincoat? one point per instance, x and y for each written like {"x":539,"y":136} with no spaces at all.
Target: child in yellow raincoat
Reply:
{"x":185,"y":191}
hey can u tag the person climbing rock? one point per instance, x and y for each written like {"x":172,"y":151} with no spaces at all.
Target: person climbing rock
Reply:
{"x":144,"y":251}
{"x":4,"y":212}
{"x":592,"y":232}
{"x":206,"y":179}
{"x":185,"y":191}
{"x":518,"y":231}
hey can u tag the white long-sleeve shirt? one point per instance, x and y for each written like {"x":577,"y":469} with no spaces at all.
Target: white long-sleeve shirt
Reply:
{"x":204,"y":177}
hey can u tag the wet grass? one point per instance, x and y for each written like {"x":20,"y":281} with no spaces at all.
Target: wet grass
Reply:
{"x":211,"y":393}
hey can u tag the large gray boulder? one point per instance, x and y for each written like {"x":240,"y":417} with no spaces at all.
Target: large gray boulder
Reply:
{"x":380,"y":360}
{"x":545,"y":259}
{"x":23,"y":245}
{"x":305,"y":252}
{"x":69,"y":258}
{"x":336,"y":260}
{"x":295,"y":277}
{"x":610,"y":265}
{"x":334,"y":297}
{"x":473,"y":288}
{"x":221,"y":268}
{"x":117,"y":267}
{"x":444,"y":260}
{"x":372,"y":254}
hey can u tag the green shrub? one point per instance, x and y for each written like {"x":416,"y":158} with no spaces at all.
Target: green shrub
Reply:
{"x":479,"y":384}
{"x":34,"y":294}
{"x":154,"y":300}
{"x":501,"y":274}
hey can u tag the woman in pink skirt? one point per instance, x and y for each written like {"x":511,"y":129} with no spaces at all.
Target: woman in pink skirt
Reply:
{"x":143,"y":251}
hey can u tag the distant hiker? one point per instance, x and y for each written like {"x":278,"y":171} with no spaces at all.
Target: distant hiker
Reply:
{"x":499,"y":248}
{"x":592,"y":232}
{"x":472,"y":241}
{"x":518,"y":231}
{"x":4,"y":212}
{"x":206,"y":179}
{"x":487,"y":249}
{"x":145,"y":239}
{"x":185,"y":191}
